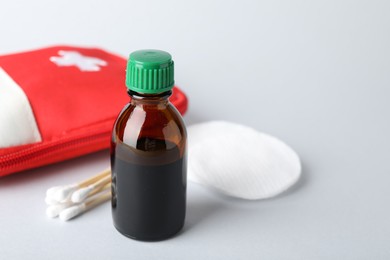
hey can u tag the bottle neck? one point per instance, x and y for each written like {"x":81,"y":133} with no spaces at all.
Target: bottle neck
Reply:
{"x":160,"y":99}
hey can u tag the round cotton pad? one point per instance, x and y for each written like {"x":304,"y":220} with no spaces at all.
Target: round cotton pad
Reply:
{"x":240,"y":161}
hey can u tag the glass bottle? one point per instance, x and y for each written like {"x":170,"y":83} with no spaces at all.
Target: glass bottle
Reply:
{"x":148,"y":153}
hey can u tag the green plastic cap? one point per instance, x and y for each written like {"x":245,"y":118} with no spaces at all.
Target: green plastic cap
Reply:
{"x":150,"y":71}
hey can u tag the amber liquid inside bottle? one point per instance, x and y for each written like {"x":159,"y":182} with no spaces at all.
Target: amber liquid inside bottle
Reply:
{"x":149,"y":168}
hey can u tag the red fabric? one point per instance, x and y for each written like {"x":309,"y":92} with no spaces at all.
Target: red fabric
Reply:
{"x":69,"y":104}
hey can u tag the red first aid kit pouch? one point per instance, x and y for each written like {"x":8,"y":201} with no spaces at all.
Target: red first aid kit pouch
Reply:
{"x":60,"y":102}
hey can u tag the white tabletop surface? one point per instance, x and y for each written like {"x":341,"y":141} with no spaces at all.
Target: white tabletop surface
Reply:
{"x":316,"y":74}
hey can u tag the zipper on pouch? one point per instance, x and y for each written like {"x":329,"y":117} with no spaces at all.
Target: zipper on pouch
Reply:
{"x":38,"y":152}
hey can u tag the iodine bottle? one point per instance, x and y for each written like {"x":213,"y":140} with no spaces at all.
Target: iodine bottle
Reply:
{"x":148,"y":153}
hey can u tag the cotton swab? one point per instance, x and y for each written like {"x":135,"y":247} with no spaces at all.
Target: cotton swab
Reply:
{"x":80,"y":194}
{"x":53,"y":210}
{"x":86,"y":194}
{"x":83,"y":193}
{"x":50,"y":201}
{"x":61,"y":193}
{"x":52,"y":190}
{"x":64,"y":192}
{"x":76,"y":210}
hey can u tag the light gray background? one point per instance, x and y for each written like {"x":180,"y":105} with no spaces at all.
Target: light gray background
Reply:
{"x":313,"y":73}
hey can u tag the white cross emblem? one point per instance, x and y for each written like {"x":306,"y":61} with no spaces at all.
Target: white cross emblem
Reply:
{"x":74,"y":58}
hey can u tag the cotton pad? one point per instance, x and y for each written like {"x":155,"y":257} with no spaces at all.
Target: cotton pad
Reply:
{"x":240,"y":161}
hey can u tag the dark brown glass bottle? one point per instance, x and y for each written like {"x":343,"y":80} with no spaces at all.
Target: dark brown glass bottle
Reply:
{"x":148,"y":156}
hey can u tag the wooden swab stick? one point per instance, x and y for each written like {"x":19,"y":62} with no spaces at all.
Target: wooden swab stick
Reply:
{"x":76,"y":210}
{"x":63,"y":193}
{"x":80,"y":194}
{"x":95,"y":191}
{"x":98,"y":200}
{"x":95,"y":178}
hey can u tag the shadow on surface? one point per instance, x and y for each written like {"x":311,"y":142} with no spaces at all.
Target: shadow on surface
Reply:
{"x":299,"y":185}
{"x":199,"y":210}
{"x":214,"y":203}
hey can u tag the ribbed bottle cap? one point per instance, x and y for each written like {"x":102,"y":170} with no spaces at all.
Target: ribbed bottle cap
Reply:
{"x":149,"y":71}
